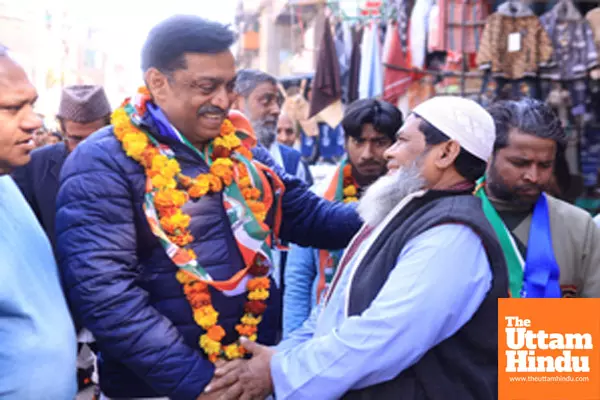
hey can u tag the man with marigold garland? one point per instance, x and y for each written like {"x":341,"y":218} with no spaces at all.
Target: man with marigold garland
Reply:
{"x":370,"y":127}
{"x":166,"y":221}
{"x":413,"y":308}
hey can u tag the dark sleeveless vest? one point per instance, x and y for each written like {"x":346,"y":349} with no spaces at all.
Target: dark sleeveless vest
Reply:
{"x":464,"y":366}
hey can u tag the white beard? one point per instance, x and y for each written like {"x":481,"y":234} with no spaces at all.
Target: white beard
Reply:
{"x":389,"y":190}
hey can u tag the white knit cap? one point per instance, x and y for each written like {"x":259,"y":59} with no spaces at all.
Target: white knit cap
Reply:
{"x":462,"y":120}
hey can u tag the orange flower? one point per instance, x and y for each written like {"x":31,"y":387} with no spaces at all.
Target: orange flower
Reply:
{"x":148,"y":155}
{"x":185,"y":181}
{"x":200,"y":186}
{"x":170,"y":198}
{"x":223,"y":168}
{"x":174,"y":223}
{"x":244,"y":182}
{"x":213,"y":358}
{"x":199,"y":300}
{"x":216,"y":185}
{"x":184,"y":277}
{"x":258,"y":209}
{"x":350,"y":191}
{"x":227,"y":128}
{"x":347,"y":170}
{"x":251,"y":193}
{"x":216,"y":333}
{"x":258,"y":283}
{"x":246,"y":330}
{"x":182,"y":239}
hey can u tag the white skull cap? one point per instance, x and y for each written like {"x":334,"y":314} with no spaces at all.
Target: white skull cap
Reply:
{"x":463,"y":120}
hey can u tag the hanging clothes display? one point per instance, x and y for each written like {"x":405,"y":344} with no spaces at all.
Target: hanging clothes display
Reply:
{"x":451,"y":19}
{"x":371,"y":72}
{"x":402,"y":10}
{"x":418,"y":28}
{"x":395,"y":81}
{"x":343,"y":48}
{"x":355,"y":62}
{"x":514,"y":43}
{"x":574,"y":52}
{"x":326,"y":87}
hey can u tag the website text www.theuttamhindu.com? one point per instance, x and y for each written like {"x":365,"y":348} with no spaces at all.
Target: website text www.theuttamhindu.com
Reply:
{"x":549,"y":378}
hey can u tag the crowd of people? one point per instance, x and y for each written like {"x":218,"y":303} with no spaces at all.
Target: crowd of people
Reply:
{"x":181,"y":239}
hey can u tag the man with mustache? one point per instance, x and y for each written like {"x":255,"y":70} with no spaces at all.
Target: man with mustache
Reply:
{"x":37,"y":350}
{"x":166,"y":220}
{"x":370,"y":127}
{"x":412,"y":311}
{"x":551,"y":247}
{"x":259,"y":99}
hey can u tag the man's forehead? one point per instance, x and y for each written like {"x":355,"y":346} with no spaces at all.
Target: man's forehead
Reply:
{"x":14,"y":83}
{"x":265,"y":88}
{"x":218,"y":66}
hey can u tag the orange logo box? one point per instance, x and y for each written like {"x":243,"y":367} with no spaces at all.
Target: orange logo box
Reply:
{"x":549,"y":349}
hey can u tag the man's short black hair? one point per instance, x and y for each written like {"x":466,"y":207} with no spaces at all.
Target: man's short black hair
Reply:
{"x":168,"y":41}
{"x":384,"y":117}
{"x":529,"y":116}
{"x":248,"y":79}
{"x":467,"y":165}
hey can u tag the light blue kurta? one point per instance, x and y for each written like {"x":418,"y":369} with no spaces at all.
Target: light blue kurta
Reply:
{"x":37,"y":337}
{"x":440,"y":280}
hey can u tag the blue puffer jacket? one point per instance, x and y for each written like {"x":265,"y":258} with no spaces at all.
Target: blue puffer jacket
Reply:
{"x":122,"y":284}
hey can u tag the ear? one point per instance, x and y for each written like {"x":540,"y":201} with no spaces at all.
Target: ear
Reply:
{"x":157,"y":83}
{"x":239,"y":103}
{"x":447,"y":153}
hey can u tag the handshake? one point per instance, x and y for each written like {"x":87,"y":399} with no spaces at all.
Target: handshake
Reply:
{"x":242,"y":379}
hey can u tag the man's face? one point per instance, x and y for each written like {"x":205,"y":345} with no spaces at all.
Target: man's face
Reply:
{"x":522,"y":170}
{"x":52,"y":139}
{"x":263,"y":107}
{"x":40,"y":137}
{"x":196,"y":99}
{"x":75,"y":132}
{"x":17,"y":119}
{"x":286,"y":132}
{"x":409,"y":146}
{"x":366,"y":154}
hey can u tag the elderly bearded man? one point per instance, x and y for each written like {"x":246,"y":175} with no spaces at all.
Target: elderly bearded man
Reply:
{"x":260,"y":100}
{"x":412,"y":311}
{"x":165,"y":222}
{"x":552,"y":248}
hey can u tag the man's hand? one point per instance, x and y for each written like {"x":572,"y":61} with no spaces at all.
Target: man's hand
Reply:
{"x":252,"y":378}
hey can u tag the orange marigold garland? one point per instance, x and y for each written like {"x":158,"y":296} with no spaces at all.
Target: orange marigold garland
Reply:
{"x":350,"y":189}
{"x":172,"y":190}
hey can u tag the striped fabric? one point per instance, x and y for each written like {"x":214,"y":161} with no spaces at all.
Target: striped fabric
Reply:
{"x":452,"y":13}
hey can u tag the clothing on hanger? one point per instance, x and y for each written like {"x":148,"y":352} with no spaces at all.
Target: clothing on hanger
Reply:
{"x":514,"y":44}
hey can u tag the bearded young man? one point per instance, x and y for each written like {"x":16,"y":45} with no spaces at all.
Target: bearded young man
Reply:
{"x":166,"y":220}
{"x":37,"y":354}
{"x":551,"y":247}
{"x":370,"y":127}
{"x":412,"y":311}
{"x":260,"y":100}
